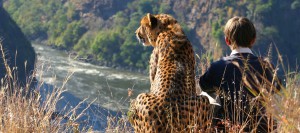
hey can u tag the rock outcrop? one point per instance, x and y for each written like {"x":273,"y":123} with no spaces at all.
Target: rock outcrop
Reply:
{"x":19,"y":53}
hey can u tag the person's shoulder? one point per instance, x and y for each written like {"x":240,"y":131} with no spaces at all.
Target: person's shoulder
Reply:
{"x":222,"y":62}
{"x":266,"y":62}
{"x":260,"y":60}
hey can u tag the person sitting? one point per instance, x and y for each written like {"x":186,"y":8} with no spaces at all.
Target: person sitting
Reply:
{"x":239,"y":80}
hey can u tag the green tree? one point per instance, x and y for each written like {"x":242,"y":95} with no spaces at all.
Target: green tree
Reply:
{"x":106,"y":46}
{"x":72,"y":34}
{"x":131,"y":45}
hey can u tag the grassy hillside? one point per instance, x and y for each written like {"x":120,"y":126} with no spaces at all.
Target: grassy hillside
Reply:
{"x":104,"y":30}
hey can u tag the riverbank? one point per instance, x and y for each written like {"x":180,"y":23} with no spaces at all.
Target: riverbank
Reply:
{"x":92,"y":60}
{"x":108,"y":85}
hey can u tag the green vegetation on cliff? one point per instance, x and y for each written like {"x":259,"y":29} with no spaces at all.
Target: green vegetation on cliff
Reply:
{"x":104,"y":30}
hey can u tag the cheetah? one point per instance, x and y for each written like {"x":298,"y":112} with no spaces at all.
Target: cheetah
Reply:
{"x":172,"y":104}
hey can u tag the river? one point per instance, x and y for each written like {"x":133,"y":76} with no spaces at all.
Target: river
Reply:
{"x":107,"y":85}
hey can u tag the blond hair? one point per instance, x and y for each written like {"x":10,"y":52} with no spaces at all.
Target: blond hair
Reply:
{"x":240,"y":32}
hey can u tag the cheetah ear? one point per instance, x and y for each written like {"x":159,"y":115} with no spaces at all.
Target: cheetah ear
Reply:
{"x":152,"y":20}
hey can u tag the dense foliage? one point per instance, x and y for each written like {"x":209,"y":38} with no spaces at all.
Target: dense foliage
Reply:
{"x":104,"y":30}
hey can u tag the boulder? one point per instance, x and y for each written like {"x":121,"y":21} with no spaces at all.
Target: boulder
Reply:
{"x":19,"y":54}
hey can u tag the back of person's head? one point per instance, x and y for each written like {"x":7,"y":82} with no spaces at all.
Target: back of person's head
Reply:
{"x":240,"y":32}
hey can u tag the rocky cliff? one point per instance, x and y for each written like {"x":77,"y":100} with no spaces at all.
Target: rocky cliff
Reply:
{"x":103,"y":30}
{"x":19,"y":53}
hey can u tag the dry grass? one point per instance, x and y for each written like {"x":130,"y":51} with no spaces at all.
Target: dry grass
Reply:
{"x":22,"y":113}
{"x":285,"y":106}
{"x":118,"y":125}
{"x":23,"y":110}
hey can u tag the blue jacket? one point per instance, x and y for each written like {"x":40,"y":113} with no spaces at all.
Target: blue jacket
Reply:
{"x":226,"y":76}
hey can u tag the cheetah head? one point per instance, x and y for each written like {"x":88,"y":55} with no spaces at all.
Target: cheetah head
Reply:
{"x":151,"y":26}
{"x":147,"y":32}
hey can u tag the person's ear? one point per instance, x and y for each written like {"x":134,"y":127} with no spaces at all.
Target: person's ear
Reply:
{"x":227,"y":41}
{"x":253,"y":41}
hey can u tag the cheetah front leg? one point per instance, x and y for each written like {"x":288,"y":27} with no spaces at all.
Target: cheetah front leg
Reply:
{"x":153,"y":68}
